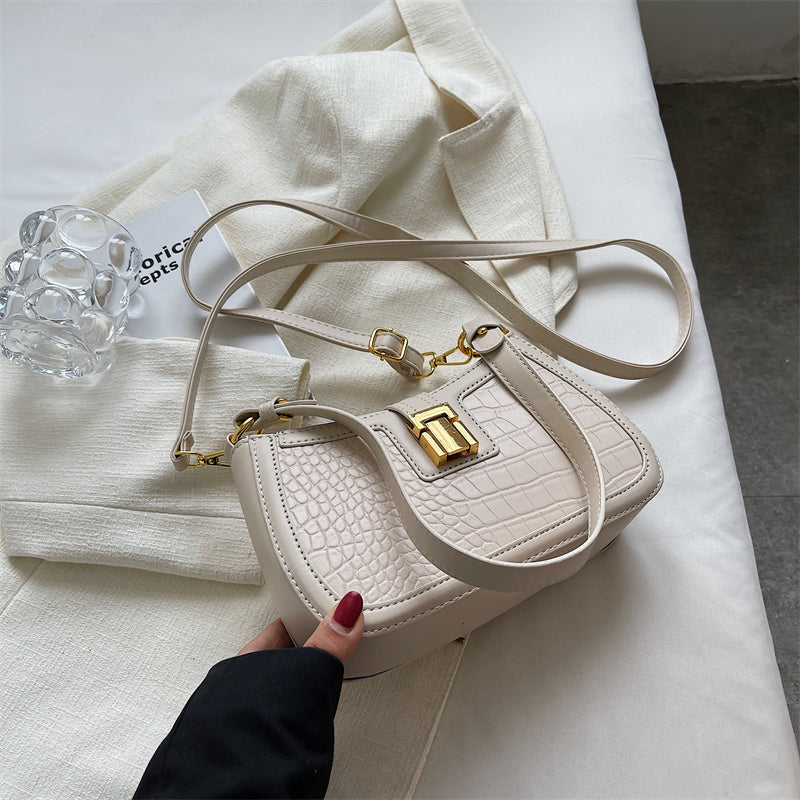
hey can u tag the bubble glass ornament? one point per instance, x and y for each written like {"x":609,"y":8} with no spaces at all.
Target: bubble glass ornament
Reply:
{"x":64,"y":294}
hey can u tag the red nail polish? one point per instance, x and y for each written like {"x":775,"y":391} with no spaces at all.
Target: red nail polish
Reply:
{"x":348,"y":610}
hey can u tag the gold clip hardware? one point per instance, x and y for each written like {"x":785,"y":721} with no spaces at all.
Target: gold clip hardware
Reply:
{"x":442,"y":435}
{"x":441,"y":360}
{"x":244,"y":428}
{"x":215,"y":459}
{"x":204,"y":459}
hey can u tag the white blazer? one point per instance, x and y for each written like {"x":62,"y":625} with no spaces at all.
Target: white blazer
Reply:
{"x":411,"y":116}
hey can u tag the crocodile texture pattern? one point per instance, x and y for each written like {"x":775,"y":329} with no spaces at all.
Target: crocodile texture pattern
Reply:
{"x":345,"y":520}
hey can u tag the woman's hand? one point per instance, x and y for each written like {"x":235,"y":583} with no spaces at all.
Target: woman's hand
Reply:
{"x":261,"y":726}
{"x":338,"y":633}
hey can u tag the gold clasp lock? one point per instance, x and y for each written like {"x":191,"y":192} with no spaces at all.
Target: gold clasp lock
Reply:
{"x":442,"y":435}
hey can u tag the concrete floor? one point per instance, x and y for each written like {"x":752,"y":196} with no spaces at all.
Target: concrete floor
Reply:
{"x":735,"y":151}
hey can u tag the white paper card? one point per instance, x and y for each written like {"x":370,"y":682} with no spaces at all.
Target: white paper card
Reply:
{"x":161,"y":308}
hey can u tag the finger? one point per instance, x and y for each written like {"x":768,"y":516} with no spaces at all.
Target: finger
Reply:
{"x":273,"y":637}
{"x":341,"y":630}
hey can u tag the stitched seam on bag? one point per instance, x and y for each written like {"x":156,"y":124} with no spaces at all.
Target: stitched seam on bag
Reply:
{"x":312,"y":438}
{"x":532,"y":589}
{"x":510,"y":548}
{"x":568,"y":416}
{"x":585,"y":532}
{"x":320,"y":580}
{"x":315,"y":574}
{"x":424,"y":612}
{"x":474,"y":385}
{"x":273,"y":536}
{"x":546,"y":426}
{"x":413,"y":596}
{"x":419,"y":592}
{"x":496,"y":553}
{"x":324,"y":585}
{"x":625,"y":489}
{"x":531,"y":537}
{"x":519,"y":542}
{"x":601,"y":402}
{"x":640,"y":477}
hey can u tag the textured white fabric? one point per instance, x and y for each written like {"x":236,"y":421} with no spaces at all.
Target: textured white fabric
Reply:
{"x":97,"y":663}
{"x":86,"y":472}
{"x":439,"y":140}
{"x":409,"y":116}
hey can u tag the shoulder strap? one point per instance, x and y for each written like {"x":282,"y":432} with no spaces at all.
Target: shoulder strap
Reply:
{"x":446,"y":256}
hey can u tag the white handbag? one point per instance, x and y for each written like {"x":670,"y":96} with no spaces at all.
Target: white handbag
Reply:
{"x":450,"y":507}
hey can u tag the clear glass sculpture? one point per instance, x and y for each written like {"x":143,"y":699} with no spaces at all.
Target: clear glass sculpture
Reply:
{"x":64,"y":294}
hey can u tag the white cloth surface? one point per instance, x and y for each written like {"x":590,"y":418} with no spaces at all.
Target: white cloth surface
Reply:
{"x":87,"y":476}
{"x":650,"y":673}
{"x":410,"y":116}
{"x":107,"y":657}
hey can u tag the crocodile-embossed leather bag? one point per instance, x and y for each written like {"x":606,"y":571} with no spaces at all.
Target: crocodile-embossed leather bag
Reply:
{"x":452,"y":506}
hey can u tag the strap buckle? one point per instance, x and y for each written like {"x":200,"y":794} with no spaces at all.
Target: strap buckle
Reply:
{"x":388,"y":356}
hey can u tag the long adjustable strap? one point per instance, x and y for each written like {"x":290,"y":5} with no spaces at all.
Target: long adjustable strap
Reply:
{"x":487,"y":571}
{"x":448,"y":257}
{"x":393,"y":347}
{"x":385,"y":343}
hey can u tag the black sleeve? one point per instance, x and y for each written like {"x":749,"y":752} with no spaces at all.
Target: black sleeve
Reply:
{"x":259,"y":725}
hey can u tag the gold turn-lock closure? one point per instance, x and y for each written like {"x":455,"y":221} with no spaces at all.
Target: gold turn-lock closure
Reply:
{"x":442,"y":435}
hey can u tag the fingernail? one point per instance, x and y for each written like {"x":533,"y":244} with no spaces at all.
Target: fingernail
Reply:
{"x":348,"y":610}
